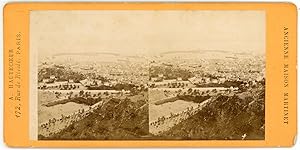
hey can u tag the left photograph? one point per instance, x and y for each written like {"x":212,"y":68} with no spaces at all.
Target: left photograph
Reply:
{"x":84,"y":90}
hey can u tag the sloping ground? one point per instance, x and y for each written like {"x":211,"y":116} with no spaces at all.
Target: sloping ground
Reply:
{"x":227,"y":117}
{"x":116,"y":119}
{"x":46,"y":113}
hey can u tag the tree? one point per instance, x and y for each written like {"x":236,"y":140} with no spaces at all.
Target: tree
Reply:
{"x":195,"y":91}
{"x":179,"y":90}
{"x":81,"y":93}
{"x":190,"y":90}
{"x":106,"y":93}
{"x":214,"y":90}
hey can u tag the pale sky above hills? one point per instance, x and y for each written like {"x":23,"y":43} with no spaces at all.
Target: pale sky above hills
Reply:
{"x":146,"y":32}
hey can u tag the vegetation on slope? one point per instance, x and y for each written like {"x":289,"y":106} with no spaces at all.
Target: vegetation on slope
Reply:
{"x":227,"y":117}
{"x":115,"y":119}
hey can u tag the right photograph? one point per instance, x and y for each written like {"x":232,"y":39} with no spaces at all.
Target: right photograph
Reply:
{"x":216,"y":92}
{"x":207,"y":95}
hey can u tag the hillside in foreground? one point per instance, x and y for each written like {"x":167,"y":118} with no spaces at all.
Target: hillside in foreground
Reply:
{"x":116,"y":119}
{"x":227,"y":117}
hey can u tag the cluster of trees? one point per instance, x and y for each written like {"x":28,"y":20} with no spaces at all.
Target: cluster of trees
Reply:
{"x":82,"y":98}
{"x":134,"y":89}
{"x":68,"y":87}
{"x":176,"y":85}
{"x":196,"y":92}
{"x":172,"y":85}
{"x":194,"y":98}
{"x":226,"y":84}
{"x":118,"y":87}
{"x":79,"y":100}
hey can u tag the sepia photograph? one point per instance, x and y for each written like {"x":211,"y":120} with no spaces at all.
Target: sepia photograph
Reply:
{"x":147,"y":75}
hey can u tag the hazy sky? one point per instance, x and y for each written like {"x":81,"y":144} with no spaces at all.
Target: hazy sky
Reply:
{"x":134,"y":32}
